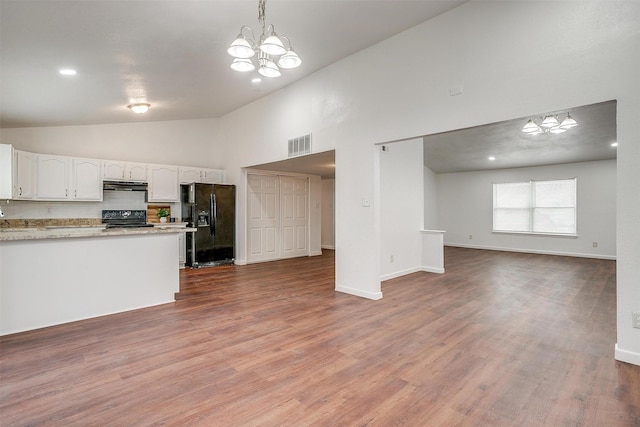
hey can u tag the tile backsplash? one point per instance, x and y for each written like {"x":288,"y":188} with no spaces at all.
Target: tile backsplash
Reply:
{"x":25,"y":209}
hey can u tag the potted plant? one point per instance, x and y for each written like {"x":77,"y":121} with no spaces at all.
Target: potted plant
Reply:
{"x":163,"y":214}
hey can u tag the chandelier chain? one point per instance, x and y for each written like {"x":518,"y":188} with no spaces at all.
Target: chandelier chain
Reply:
{"x":261,"y":13}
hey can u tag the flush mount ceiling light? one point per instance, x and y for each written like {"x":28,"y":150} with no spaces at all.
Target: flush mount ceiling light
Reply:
{"x":272,"y":54}
{"x":139,"y":108}
{"x":67,"y":72}
{"x":549,"y":124}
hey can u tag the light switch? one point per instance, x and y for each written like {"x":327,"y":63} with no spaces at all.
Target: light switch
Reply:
{"x":366,"y":203}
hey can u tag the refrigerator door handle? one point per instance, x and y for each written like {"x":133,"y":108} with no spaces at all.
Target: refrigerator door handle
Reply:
{"x":213,"y":216}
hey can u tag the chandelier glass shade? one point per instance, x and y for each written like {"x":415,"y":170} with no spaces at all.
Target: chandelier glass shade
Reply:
{"x":271,"y":51}
{"x":549,"y":124}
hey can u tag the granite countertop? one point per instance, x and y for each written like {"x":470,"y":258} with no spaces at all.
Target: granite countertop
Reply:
{"x":85,"y":230}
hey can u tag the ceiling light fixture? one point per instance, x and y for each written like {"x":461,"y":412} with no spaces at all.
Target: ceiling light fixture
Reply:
{"x":614,"y":144}
{"x":67,"y":72}
{"x":549,"y":124}
{"x":271,"y":46}
{"x":140,"y":108}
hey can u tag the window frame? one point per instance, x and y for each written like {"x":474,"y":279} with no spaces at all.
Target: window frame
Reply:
{"x":532,"y":208}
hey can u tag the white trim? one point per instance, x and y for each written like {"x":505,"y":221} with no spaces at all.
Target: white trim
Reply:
{"x":329,"y":247}
{"x":359,"y":293}
{"x":627,"y":356}
{"x":532,"y":251}
{"x":240,"y":262}
{"x":315,"y":253}
{"x":401,"y":273}
{"x":438,"y":270}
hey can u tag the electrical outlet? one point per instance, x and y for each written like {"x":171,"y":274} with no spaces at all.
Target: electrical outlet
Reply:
{"x":636,"y":319}
{"x":470,"y":236}
{"x":595,"y":244}
{"x":391,"y":258}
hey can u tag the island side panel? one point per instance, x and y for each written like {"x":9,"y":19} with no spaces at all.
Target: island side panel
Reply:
{"x":52,"y":281}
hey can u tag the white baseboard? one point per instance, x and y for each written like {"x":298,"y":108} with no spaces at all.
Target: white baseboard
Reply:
{"x":240,"y":262}
{"x":330,"y":247}
{"x":531,"y":251}
{"x":438,"y":270}
{"x":359,"y":293}
{"x":400,"y":273}
{"x":627,"y":356}
{"x":315,"y":253}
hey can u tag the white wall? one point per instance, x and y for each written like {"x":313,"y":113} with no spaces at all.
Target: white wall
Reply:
{"x":430,"y":200}
{"x":401,"y":206}
{"x":465,"y":207}
{"x":582,"y":52}
{"x":328,"y":214}
{"x":178,"y":142}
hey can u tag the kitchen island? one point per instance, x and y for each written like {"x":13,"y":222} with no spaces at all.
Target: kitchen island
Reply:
{"x":55,"y":275}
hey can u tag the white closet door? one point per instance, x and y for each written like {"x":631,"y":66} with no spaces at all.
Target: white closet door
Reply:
{"x":263,"y":215}
{"x":294,"y":194}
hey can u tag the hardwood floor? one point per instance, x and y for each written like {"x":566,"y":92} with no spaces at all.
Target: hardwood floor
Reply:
{"x":501,"y":339}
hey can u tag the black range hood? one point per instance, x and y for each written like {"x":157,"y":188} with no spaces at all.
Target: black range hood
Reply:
{"x":124,"y":186}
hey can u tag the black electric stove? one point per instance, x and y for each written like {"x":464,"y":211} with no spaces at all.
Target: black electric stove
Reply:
{"x":125,"y":218}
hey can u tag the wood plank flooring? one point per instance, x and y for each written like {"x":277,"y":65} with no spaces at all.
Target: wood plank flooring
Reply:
{"x":501,"y":339}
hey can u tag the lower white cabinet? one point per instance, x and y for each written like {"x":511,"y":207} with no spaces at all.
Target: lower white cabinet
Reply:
{"x":163,"y":184}
{"x":182,"y":249}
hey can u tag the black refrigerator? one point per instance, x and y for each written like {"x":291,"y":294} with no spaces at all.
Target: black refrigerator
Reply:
{"x":211,"y":209}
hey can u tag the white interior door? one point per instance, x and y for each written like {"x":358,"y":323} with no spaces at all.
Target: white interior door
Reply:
{"x":263,"y":215}
{"x":294,"y":214}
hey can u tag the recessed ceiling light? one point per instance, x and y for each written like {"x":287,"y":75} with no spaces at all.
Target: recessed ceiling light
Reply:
{"x":256,"y":80}
{"x":492,"y":158}
{"x":614,"y":144}
{"x":67,"y":72}
{"x":139,"y":108}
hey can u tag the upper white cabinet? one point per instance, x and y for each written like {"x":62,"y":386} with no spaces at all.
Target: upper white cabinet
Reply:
{"x":23,"y":175}
{"x":6,"y":174}
{"x":189,"y":175}
{"x":124,"y":171}
{"x":212,"y":176}
{"x":163,"y":184}
{"x":201,"y":175}
{"x":67,"y":178}
{"x":87,"y":179}
{"x":52,"y":177}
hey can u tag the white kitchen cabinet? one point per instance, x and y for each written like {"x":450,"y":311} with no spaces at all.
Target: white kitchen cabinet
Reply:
{"x":67,"y":178}
{"x":87,"y":180}
{"x":23,"y":175}
{"x":189,"y":175}
{"x":52,"y":177}
{"x":212,"y":176}
{"x":182,"y":250}
{"x":163,"y":184}
{"x":113,"y":170}
{"x":6,"y":171}
{"x":124,"y":171}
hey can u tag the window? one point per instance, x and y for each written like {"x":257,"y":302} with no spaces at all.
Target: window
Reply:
{"x":546,"y":207}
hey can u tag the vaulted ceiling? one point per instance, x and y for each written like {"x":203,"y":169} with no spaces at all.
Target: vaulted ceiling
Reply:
{"x":169,"y":53}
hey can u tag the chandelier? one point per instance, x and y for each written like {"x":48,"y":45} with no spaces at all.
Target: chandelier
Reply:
{"x":272,"y":54}
{"x":549,"y":124}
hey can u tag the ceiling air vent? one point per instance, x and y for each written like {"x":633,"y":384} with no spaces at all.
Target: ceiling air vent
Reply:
{"x":299,"y":146}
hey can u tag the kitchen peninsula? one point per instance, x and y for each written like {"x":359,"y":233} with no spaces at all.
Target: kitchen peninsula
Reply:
{"x":54,"y":275}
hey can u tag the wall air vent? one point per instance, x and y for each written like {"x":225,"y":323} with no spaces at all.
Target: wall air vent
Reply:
{"x":299,"y":146}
